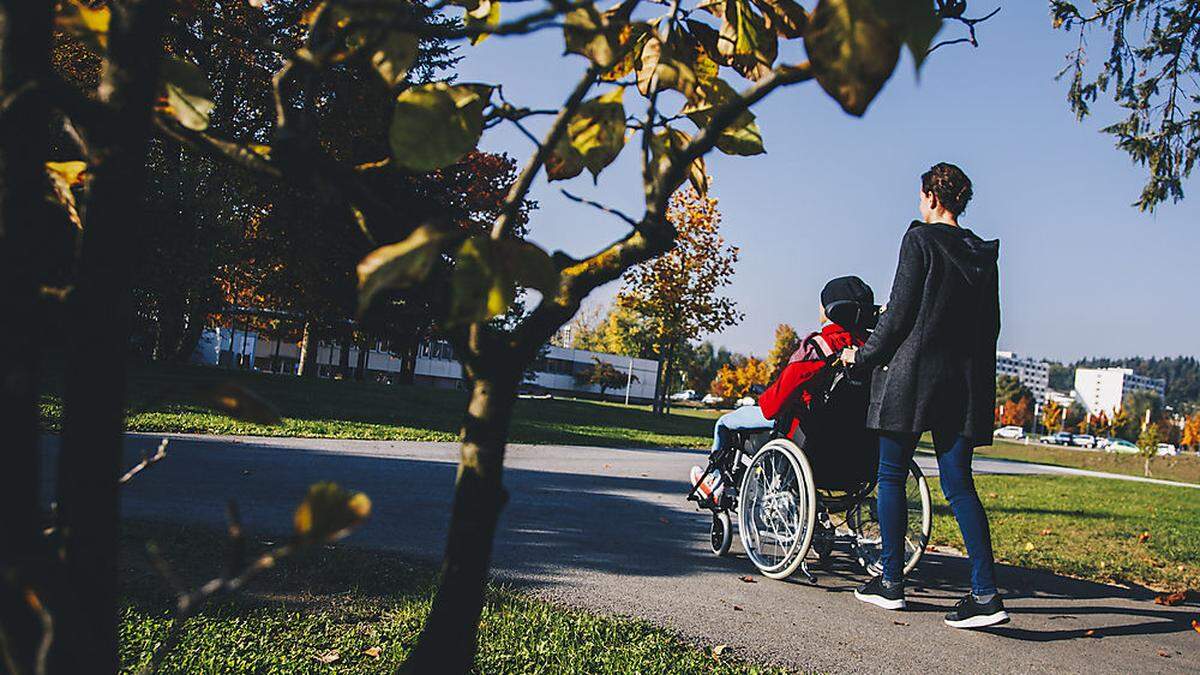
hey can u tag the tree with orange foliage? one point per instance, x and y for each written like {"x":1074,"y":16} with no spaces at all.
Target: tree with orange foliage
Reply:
{"x":678,"y":292}
{"x":1191,"y":432}
{"x":734,"y":380}
{"x":1052,"y":417}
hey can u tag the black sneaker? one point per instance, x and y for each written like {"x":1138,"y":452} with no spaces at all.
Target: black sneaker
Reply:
{"x":880,"y":595}
{"x":970,"y":613}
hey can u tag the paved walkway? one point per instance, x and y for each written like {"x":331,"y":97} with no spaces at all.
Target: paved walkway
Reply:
{"x":608,"y":529}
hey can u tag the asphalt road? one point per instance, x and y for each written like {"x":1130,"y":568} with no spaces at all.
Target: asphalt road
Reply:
{"x":609,"y":530}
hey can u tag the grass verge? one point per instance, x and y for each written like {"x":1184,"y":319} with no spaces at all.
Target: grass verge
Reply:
{"x":163,"y":399}
{"x":1094,"y":528}
{"x":1184,"y":468}
{"x":347,"y":610}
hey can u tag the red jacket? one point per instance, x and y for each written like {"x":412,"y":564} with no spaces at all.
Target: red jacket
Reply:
{"x":799,"y":376}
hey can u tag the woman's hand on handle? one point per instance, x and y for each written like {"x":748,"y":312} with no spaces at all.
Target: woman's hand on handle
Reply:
{"x":848,"y":355}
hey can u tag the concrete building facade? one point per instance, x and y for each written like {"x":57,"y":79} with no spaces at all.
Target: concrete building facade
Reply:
{"x":554,"y":370}
{"x":1104,"y":389}
{"x":1032,"y":373}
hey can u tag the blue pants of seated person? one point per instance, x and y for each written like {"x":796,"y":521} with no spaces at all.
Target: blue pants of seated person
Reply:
{"x":954,"y":453}
{"x":745,"y":418}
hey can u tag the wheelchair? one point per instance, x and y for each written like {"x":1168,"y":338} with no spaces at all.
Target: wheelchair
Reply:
{"x":813,"y":492}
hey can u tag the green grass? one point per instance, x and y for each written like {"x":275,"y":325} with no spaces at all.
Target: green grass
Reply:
{"x":1088,"y":527}
{"x":163,"y":399}
{"x":345,"y":600}
{"x":1184,"y":467}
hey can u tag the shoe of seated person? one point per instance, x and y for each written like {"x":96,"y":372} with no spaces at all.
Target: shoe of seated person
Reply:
{"x":887,"y":596}
{"x":970,"y":613}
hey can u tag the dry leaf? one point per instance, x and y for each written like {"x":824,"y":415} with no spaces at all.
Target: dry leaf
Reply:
{"x":373,"y":652}
{"x":1164,"y":654}
{"x":1196,"y":625}
{"x":1029,"y":546}
{"x":992,"y":495}
{"x":930,"y":548}
{"x":1091,"y":632}
{"x":331,"y":656}
{"x":900,"y":623}
{"x":1143,"y":537}
{"x":1171,"y":599}
{"x":719,"y":650}
{"x":1047,"y":531}
{"x":749,"y":579}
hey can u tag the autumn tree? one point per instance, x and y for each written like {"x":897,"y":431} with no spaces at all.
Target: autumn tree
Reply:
{"x":1191,"y":432}
{"x":1152,"y":71}
{"x":621,"y":330}
{"x":148,"y":88}
{"x":734,"y":381}
{"x":678,"y":293}
{"x":787,"y":341}
{"x":1147,"y":442}
{"x":603,"y":375}
{"x":1052,"y":416}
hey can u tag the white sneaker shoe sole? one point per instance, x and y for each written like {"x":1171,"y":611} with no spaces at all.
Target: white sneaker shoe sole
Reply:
{"x":981,"y":621}
{"x":880,"y":601}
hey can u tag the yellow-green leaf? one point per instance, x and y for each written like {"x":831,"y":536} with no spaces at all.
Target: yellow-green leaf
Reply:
{"x":328,"y":512}
{"x":745,"y":40}
{"x":742,"y":137}
{"x":240,"y":403}
{"x":63,"y":176}
{"x":659,"y":67}
{"x":785,"y":17}
{"x":479,"y":289}
{"x":189,"y":95}
{"x":89,"y":26}
{"x":434,"y":125}
{"x":399,"y":265}
{"x":597,"y":130}
{"x":485,"y":15}
{"x":564,"y":160}
{"x":852,"y":49}
{"x":394,"y":55}
{"x":527,"y":264}
{"x":667,"y":144}
{"x":596,"y":35}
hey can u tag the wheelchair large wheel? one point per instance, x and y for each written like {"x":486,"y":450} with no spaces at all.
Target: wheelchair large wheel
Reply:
{"x":777,"y":509}
{"x":863,"y":520}
{"x":720,"y":533}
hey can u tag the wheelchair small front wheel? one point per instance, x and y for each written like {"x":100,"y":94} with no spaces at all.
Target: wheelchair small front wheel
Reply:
{"x":721,"y":533}
{"x":777,"y":509}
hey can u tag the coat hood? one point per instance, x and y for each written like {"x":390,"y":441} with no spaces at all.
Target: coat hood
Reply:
{"x":971,"y":255}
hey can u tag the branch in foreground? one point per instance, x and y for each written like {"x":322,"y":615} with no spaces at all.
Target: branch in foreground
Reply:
{"x":607,"y":209}
{"x":970,"y":24}
{"x":148,"y":460}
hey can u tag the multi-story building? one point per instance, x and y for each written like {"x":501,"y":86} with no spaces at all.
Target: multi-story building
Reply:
{"x":435,"y":365}
{"x":1033,"y":374}
{"x":1103,"y":389}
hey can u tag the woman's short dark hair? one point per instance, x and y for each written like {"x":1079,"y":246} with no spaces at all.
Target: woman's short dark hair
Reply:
{"x":949,"y":185}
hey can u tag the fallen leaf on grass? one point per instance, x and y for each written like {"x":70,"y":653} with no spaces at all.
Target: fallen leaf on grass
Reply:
{"x":1143,"y":537}
{"x":1029,"y":546}
{"x":719,"y":650}
{"x":1171,"y":599}
{"x":373,"y":652}
{"x":331,"y":656}
{"x":992,"y":495}
{"x":1047,"y":531}
{"x":748,"y":579}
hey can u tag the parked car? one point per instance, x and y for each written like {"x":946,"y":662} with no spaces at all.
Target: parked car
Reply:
{"x":1123,"y":446}
{"x":710,"y":399}
{"x":534,"y":391}
{"x":1102,"y":443}
{"x":1012,"y":432}
{"x":1061,"y":438}
{"x":1084,"y":440}
{"x":685,"y":395}
{"x":1166,"y":450}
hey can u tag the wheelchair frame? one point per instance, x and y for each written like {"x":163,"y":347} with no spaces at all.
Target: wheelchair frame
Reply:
{"x":731,"y":464}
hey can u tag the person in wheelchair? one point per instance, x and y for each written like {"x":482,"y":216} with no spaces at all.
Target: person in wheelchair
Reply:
{"x":847,"y":312}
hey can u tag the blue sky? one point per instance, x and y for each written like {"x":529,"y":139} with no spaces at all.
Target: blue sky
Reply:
{"x":1082,"y":272}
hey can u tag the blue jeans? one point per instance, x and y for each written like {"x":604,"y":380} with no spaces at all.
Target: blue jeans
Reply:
{"x":746,"y":418}
{"x":954,"y":454}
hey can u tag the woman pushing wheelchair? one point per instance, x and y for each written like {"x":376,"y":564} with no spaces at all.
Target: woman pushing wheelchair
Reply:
{"x":855,"y":401}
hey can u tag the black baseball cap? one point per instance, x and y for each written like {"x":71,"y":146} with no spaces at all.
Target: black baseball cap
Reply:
{"x":849,"y":302}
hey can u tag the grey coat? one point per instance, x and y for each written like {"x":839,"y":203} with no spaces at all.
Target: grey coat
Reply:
{"x":934,"y":349}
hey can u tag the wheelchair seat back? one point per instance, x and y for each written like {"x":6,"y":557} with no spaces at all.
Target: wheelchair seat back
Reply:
{"x":843,"y":452}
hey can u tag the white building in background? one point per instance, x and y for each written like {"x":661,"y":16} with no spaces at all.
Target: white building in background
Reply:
{"x":1033,"y":374}
{"x":435,"y":365}
{"x":1103,"y":389}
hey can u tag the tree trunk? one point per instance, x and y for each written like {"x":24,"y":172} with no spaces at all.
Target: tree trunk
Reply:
{"x":447,"y":643}
{"x":656,"y":403}
{"x":308,"y":351}
{"x":364,"y":354}
{"x":94,"y":393}
{"x":24,"y":142}
{"x":344,"y":357}
{"x":190,"y":337}
{"x":1146,"y":468}
{"x":275,"y":367}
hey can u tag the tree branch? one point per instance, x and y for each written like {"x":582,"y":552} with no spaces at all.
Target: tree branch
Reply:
{"x":148,"y":460}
